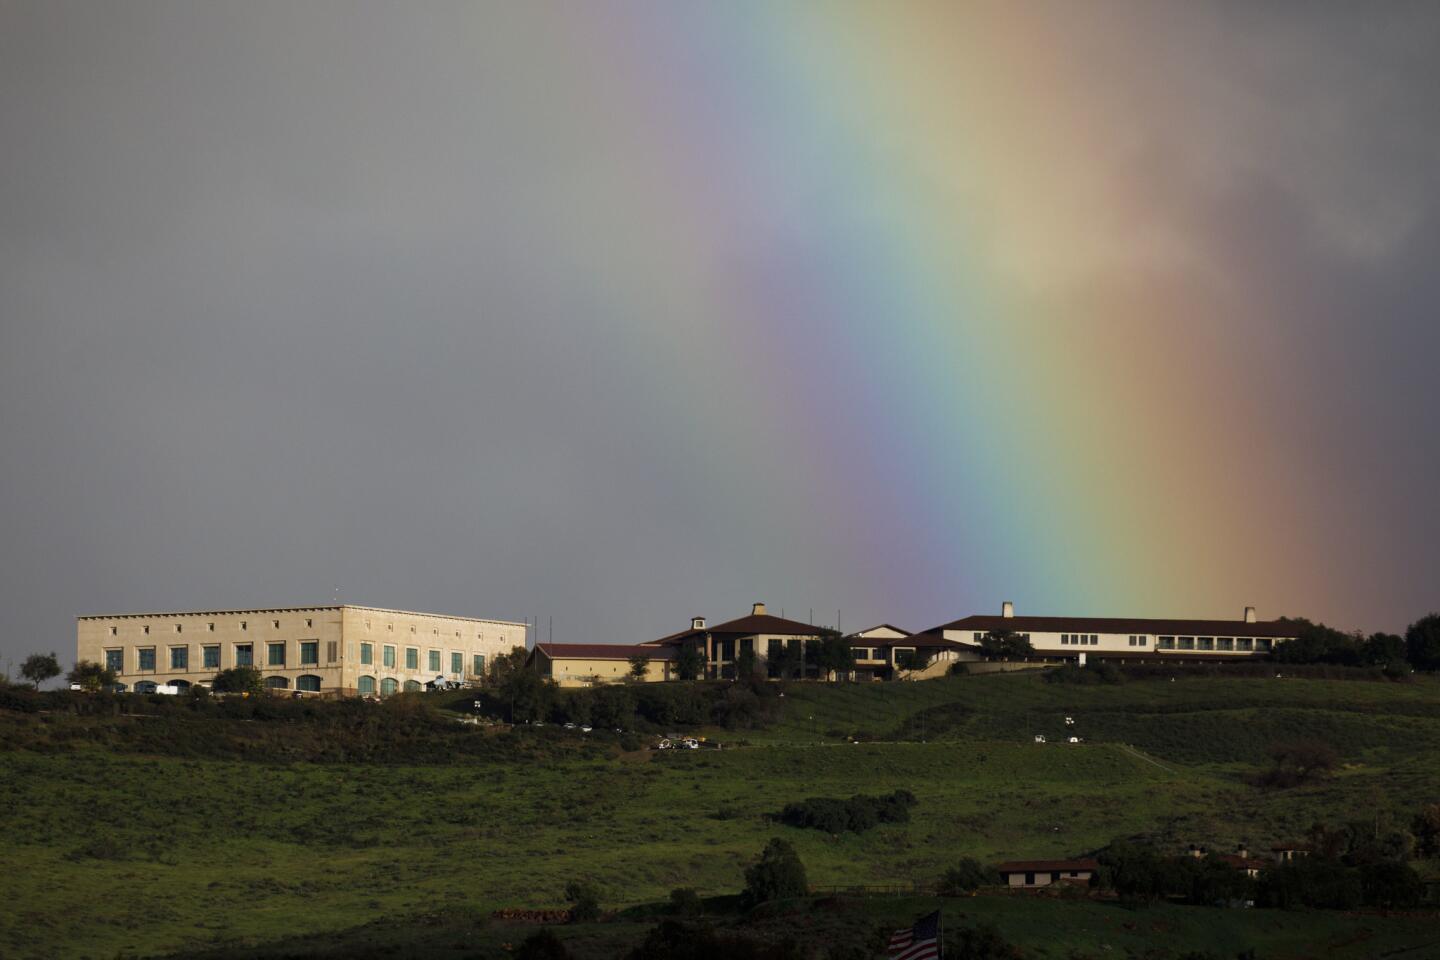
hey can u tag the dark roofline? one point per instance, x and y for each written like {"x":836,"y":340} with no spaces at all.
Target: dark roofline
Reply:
{"x":1046,"y":866}
{"x":984,"y":623}
{"x":600,"y":651}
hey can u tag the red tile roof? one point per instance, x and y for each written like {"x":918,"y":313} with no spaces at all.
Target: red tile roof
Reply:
{"x":1244,"y":863}
{"x":755,"y":623}
{"x":765,"y":623}
{"x":602,"y":651}
{"x":1047,"y":866}
{"x":984,"y":623}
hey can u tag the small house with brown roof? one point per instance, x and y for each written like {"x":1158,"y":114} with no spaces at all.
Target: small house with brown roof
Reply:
{"x":1043,"y":873}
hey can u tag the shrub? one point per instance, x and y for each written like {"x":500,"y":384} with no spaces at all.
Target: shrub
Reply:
{"x":1101,"y":671}
{"x":1297,"y":762}
{"x":91,"y":677}
{"x":1312,"y":881}
{"x":965,"y":877}
{"x":777,"y":875}
{"x":857,"y":814}
{"x":239,"y":680}
{"x":584,"y":902}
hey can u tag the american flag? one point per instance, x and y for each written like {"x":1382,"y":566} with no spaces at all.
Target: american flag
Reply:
{"x":920,"y":942}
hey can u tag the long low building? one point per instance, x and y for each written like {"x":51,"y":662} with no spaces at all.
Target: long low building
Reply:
{"x":1080,"y":638}
{"x":342,"y":650}
{"x":591,"y":664}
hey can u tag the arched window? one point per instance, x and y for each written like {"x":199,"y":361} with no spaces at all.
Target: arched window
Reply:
{"x":145,"y":686}
{"x":367,"y":686}
{"x":411,"y":686}
{"x":277,"y":683}
{"x":388,"y":686}
{"x":183,"y":686}
{"x":308,"y":682}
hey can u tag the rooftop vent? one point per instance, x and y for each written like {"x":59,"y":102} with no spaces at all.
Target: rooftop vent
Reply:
{"x":1249,"y":614}
{"x":697,"y":623}
{"x":758,"y":610}
{"x":1007,"y":609}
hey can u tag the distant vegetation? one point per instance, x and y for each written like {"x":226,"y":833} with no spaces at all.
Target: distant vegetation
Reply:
{"x":857,"y":814}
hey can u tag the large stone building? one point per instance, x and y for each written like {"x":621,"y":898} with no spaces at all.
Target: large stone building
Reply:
{"x":340,"y":650}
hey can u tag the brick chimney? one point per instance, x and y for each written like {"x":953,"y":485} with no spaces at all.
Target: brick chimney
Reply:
{"x":1007,"y":610}
{"x":1249,"y":614}
{"x":758,"y":610}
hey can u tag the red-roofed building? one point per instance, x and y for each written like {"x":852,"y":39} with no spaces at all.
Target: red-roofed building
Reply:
{"x":761,"y":634}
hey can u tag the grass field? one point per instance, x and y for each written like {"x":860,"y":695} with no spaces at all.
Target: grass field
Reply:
{"x":109,"y":853}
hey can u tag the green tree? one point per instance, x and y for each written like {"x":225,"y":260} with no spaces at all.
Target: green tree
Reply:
{"x":246,"y":680}
{"x":527,"y":695}
{"x":685,"y":902}
{"x":1422,"y":643}
{"x":1383,"y":649}
{"x":689,"y":662}
{"x":745,"y":663}
{"x":912,"y":660}
{"x":787,"y":659}
{"x":91,"y":677}
{"x":639,"y":666}
{"x":967,"y":876}
{"x":833,"y":655}
{"x":1005,"y":644}
{"x":39,"y":667}
{"x":777,"y":875}
{"x":584,"y":902}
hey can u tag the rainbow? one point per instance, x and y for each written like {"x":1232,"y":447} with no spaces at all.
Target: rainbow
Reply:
{"x":909,"y":275}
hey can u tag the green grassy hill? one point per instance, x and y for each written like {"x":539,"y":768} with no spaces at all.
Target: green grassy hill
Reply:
{"x":111,"y":849}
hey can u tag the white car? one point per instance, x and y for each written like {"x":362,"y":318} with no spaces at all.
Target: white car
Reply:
{"x":1074,"y":739}
{"x":1039,"y":738}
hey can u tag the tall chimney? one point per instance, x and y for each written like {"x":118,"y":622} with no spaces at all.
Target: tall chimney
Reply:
{"x":1249,"y":614}
{"x":697,"y":623}
{"x":758,"y":610}
{"x":1007,"y":609}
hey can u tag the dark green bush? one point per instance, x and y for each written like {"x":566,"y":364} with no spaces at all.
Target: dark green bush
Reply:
{"x":857,"y":814}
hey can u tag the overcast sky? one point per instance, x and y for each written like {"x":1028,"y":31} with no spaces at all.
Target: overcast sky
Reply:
{"x":288,"y":306}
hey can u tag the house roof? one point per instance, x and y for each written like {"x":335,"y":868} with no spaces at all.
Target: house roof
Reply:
{"x":755,"y":623}
{"x":1243,"y":863}
{"x":860,"y":635}
{"x":674,"y":639}
{"x":766,"y":623}
{"x":602,"y":651}
{"x":1046,"y":866}
{"x":984,"y":623}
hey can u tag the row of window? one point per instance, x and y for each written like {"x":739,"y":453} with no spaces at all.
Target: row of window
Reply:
{"x":275,"y":656}
{"x":1239,"y":644}
{"x":387,"y":687}
{"x":390,"y":627}
{"x":1079,"y":639}
{"x":309,"y":624}
{"x":210,"y":627}
{"x":412,"y":659}
{"x":179,"y":656}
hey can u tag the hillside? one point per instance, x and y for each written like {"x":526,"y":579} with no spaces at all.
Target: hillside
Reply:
{"x":226,"y":848}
